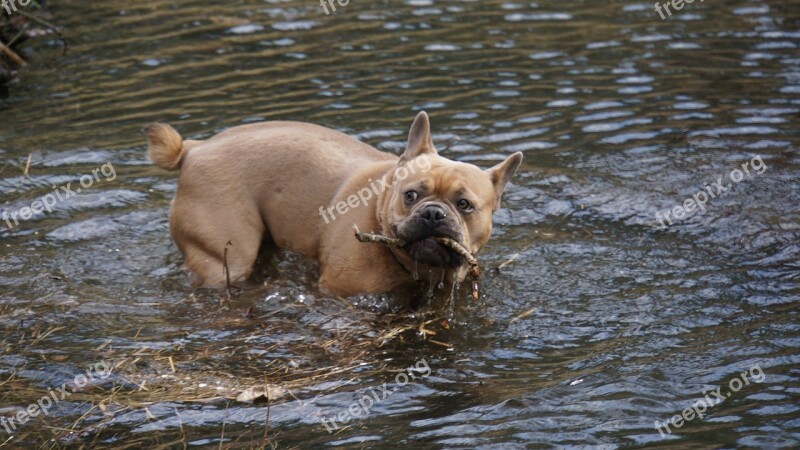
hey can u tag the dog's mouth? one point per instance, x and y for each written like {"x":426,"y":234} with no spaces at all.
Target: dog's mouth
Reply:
{"x":432,"y":253}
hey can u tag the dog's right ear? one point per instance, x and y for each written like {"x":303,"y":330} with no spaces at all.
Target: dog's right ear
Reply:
{"x":419,"y":139}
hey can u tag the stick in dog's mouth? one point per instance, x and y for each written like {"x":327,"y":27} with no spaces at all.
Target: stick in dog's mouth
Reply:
{"x":474,"y":270}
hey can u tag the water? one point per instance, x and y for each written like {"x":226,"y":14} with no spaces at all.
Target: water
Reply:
{"x":599,"y":322}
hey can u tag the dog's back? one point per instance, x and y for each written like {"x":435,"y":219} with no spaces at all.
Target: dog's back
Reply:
{"x":253,"y":180}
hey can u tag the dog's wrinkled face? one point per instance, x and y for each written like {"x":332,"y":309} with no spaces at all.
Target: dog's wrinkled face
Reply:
{"x":434,"y":197}
{"x":453,"y":200}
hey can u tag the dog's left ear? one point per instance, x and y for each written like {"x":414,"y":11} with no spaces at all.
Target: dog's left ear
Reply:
{"x":419,"y":139}
{"x":501,"y":174}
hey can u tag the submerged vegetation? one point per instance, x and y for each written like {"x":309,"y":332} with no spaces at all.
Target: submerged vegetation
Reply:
{"x":141,"y":379}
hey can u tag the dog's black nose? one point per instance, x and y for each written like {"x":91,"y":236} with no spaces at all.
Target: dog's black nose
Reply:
{"x":433,"y":215}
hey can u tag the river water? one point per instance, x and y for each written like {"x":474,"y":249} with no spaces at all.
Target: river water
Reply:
{"x":598,"y":320}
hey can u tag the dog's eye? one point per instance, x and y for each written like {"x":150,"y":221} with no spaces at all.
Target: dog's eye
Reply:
{"x":411,"y":196}
{"x":465,"y":205}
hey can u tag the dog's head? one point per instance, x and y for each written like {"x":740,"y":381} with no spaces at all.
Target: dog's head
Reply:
{"x":431,"y":196}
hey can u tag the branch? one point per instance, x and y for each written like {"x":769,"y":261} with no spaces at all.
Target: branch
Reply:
{"x":57,"y":30}
{"x":12,"y":54}
{"x":474,"y":271}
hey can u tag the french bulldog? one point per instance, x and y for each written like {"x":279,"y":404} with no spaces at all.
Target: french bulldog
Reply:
{"x":304,"y":186}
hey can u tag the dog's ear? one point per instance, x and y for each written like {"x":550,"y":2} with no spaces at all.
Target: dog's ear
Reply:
{"x":419,"y":139}
{"x":501,"y":174}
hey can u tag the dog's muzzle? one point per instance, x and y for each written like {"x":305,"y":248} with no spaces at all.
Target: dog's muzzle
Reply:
{"x":432,"y":221}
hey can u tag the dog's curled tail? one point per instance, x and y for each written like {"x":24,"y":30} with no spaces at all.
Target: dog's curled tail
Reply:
{"x":166,"y":146}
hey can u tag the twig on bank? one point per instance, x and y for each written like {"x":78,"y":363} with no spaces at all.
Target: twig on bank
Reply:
{"x":224,"y":419}
{"x":269,"y":403}
{"x":57,"y":30}
{"x":27,"y":171}
{"x":12,"y":54}
{"x":226,"y":270}
{"x":443,"y":344}
{"x":522,"y":315}
{"x":180,"y":423}
{"x":19,"y":35}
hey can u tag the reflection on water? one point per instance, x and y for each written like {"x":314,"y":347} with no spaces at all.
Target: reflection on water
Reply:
{"x":598,"y":322}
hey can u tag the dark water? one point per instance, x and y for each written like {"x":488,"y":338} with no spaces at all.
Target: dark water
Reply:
{"x":599,"y":322}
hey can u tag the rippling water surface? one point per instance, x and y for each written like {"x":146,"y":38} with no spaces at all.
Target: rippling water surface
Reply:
{"x":598,"y":320}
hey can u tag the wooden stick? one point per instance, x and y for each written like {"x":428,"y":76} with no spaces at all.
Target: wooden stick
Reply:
{"x":226,"y":270}
{"x":28,"y":166}
{"x":378,"y":239}
{"x":12,"y":54}
{"x":57,"y":30}
{"x":19,"y":35}
{"x":458,"y":248}
{"x":474,"y":270}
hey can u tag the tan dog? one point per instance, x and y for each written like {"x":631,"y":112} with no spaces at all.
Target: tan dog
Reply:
{"x":304,"y":186}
